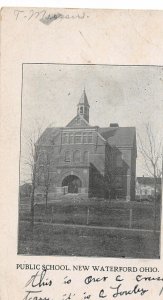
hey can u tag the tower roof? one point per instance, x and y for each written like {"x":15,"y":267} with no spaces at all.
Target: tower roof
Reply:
{"x":83,"y":99}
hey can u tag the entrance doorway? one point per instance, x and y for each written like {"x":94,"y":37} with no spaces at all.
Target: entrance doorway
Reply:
{"x":73,"y":182}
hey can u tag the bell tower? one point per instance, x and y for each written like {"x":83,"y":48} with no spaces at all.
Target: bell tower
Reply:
{"x":83,"y":106}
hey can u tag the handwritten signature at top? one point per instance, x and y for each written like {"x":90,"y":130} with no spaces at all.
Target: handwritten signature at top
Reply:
{"x":44,"y":16}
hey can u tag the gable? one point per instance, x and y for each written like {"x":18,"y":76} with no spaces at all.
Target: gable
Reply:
{"x":78,"y":122}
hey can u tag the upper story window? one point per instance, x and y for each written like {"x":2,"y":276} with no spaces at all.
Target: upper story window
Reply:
{"x":90,"y":138}
{"x":78,"y":138}
{"x":67,"y":156}
{"x":65,"y":138}
{"x":71,"y":138}
{"x":81,"y":109}
{"x":76,"y":156}
{"x":85,"y":137}
{"x":119,"y":161}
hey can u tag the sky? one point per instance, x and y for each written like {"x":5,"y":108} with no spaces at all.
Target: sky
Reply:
{"x":127,"y":95}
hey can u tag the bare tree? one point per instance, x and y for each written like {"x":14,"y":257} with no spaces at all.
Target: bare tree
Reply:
{"x":32,"y":162}
{"x":37,"y":162}
{"x":151,"y":153}
{"x":46,"y":173}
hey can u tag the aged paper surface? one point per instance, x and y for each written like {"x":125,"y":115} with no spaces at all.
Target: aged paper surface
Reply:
{"x":110,"y":60}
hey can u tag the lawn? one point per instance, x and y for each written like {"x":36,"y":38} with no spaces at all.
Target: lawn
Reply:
{"x":51,"y":239}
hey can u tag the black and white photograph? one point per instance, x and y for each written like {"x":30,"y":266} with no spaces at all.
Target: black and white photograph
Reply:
{"x":90,"y":160}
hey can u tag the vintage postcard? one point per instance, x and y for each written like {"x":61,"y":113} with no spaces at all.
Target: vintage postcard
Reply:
{"x":81,"y":154}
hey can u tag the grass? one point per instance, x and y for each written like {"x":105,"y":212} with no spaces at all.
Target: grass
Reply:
{"x":68,"y":241}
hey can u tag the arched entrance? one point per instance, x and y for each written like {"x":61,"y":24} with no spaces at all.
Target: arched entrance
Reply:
{"x":73,"y":182}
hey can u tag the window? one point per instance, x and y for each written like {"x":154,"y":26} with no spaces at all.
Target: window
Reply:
{"x":85,"y":156}
{"x":71,"y":138}
{"x":81,"y":109}
{"x":85,"y":137}
{"x":90,"y":138}
{"x":78,"y":138}
{"x":76,"y":156}
{"x":67,"y":156}
{"x":65,"y":138}
{"x":119,"y":160}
